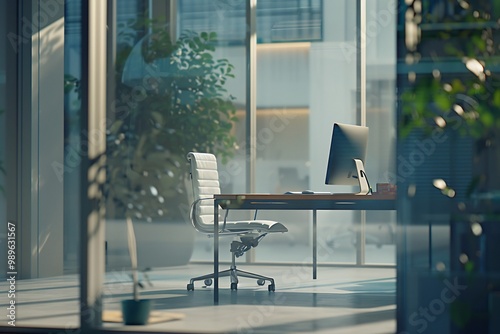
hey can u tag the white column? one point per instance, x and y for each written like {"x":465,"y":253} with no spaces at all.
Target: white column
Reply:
{"x":92,"y":266}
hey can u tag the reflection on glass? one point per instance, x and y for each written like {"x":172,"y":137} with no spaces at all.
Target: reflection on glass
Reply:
{"x":449,"y":113}
{"x":176,"y":90}
{"x":161,"y":111}
{"x":302,"y":90}
{"x":278,"y":21}
{"x":181,"y":105}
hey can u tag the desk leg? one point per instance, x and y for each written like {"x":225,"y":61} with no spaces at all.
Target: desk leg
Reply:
{"x":216,"y":252}
{"x":315,"y":244}
{"x":361,"y":240}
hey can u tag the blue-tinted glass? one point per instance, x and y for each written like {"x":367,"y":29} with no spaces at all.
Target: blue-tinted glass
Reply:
{"x":277,"y":20}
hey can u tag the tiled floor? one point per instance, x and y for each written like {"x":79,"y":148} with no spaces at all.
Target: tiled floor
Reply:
{"x":341,"y":300}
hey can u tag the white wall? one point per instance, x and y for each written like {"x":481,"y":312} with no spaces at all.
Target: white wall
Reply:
{"x":290,"y":88}
{"x":50,"y":109}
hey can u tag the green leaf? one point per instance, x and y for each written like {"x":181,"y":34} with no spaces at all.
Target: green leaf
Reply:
{"x":496,"y":98}
{"x":443,"y":102}
{"x":469,"y":266}
{"x":487,"y":118}
{"x":457,"y":86}
{"x":460,"y":313}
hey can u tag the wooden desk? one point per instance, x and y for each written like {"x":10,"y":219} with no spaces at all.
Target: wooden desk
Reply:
{"x":312,"y":202}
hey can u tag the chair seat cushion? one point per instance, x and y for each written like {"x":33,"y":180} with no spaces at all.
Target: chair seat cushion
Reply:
{"x":268,"y":226}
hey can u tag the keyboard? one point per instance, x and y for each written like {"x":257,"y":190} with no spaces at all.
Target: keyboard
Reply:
{"x":309,"y":192}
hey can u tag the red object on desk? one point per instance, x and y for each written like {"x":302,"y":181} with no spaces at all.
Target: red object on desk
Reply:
{"x":386,"y":188}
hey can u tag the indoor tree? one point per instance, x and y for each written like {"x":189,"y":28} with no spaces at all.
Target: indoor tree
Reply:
{"x":181,"y":104}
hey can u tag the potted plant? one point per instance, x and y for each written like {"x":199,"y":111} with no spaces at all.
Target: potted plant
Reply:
{"x":134,"y":311}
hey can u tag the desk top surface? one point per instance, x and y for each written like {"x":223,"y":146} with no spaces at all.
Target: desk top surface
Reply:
{"x":336,"y":201}
{"x":307,"y":197}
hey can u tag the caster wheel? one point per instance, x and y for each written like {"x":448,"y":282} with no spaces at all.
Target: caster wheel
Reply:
{"x":261,"y":282}
{"x":234,"y":286}
{"x":190,"y":287}
{"x":208,"y":282}
{"x":271,"y":287}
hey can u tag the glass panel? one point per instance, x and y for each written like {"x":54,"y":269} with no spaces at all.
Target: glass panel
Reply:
{"x":300,"y":96}
{"x":380,"y":92}
{"x":230,"y":16}
{"x":37,"y":164}
{"x":278,"y":21}
{"x":72,"y":138}
{"x":448,"y":162}
{"x":297,"y":105}
{"x":178,"y":88}
{"x":302,"y":89}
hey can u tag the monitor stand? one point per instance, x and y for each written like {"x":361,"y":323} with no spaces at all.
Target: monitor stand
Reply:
{"x":364,"y":188}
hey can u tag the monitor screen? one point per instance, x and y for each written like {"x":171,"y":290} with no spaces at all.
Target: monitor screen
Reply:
{"x":348,"y":143}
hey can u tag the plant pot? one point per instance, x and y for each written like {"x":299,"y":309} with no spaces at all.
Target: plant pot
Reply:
{"x":136,"y":312}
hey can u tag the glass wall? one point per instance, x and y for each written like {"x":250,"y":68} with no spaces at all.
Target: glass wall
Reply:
{"x":288,"y":88}
{"x":32,"y":163}
{"x":381,"y":18}
{"x":169,"y":63}
{"x":448,"y":153}
{"x":179,"y":86}
{"x":72,"y":140}
{"x":303,"y":87}
{"x":301,"y":57}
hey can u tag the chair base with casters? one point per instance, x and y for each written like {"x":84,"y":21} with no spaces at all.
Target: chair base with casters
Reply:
{"x":238,"y":248}
{"x":205,"y":181}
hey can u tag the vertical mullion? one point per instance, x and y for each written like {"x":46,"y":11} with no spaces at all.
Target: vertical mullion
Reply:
{"x":93,"y":86}
{"x":251,"y":93}
{"x":361,"y":60}
{"x":361,"y":108}
{"x":251,"y":101}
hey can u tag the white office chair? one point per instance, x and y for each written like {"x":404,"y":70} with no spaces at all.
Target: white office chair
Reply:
{"x":205,"y":180}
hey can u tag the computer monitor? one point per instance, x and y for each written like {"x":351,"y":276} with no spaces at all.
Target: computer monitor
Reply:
{"x":347,"y":157}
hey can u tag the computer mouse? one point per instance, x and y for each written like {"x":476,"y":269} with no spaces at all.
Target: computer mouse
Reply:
{"x":307,"y":192}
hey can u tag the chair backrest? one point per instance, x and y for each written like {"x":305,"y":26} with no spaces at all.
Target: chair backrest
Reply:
{"x":205,"y":181}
